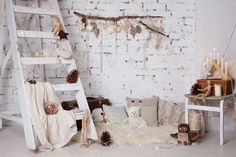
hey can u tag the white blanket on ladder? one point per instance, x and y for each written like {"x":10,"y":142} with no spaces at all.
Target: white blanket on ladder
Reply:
{"x":52,"y":131}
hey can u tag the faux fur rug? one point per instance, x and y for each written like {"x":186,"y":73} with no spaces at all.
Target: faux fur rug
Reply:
{"x":128,"y":135}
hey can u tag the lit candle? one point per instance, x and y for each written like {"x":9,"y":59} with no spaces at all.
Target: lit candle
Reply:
{"x":218,"y":58}
{"x":210,"y":58}
{"x":207,"y":62}
{"x":214,"y":54}
{"x":222,"y":64}
{"x":226,"y":70}
{"x":204,"y":65}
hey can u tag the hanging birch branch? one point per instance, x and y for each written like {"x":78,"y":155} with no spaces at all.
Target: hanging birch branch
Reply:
{"x":114,"y":19}
{"x":118,"y":18}
{"x":152,"y":29}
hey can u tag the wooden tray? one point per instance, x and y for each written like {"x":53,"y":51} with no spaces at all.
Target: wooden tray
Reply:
{"x":226,"y":86}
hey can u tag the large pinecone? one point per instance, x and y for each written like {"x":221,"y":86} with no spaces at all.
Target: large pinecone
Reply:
{"x":105,"y":138}
{"x":72,"y":77}
{"x":194,"y":89}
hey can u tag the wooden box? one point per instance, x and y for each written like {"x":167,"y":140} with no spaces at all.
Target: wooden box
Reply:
{"x":226,"y":85}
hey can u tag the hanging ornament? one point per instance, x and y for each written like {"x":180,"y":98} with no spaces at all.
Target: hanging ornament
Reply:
{"x":118,"y":29}
{"x":90,"y":27}
{"x":97,"y":32}
{"x":101,"y":51}
{"x":116,"y":36}
{"x":138,"y":29}
{"x":132,"y":31}
{"x":63,"y":35}
{"x":127,"y":41}
{"x":110,"y":29}
{"x":125,"y":25}
{"x":84,"y":22}
{"x":57,"y":26}
{"x":94,"y":25}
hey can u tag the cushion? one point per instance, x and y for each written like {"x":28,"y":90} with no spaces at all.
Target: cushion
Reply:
{"x":148,"y":108}
{"x":170,"y":113}
{"x":115,"y":114}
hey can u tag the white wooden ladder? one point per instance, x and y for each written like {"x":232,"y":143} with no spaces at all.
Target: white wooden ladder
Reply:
{"x":20,"y":62}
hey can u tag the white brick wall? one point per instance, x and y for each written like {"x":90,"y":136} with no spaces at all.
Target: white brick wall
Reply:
{"x":169,"y":72}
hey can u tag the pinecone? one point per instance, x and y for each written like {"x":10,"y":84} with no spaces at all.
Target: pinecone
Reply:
{"x":194,"y":89}
{"x":72,"y":77}
{"x":105,"y":138}
{"x":31,"y":81}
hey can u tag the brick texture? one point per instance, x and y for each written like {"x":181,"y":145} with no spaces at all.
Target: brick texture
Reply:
{"x":117,"y":65}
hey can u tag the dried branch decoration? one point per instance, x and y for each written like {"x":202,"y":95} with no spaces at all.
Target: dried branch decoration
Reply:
{"x":114,"y":19}
{"x":118,"y":18}
{"x":152,"y":29}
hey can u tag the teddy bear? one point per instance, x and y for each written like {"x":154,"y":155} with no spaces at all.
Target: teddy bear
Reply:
{"x":134,"y":118}
{"x":184,"y":135}
{"x":99,"y":117}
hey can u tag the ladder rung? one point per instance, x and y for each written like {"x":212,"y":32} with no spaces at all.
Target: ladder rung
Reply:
{"x":34,"y":10}
{"x":66,"y":87}
{"x":78,"y":116}
{"x":78,"y":113}
{"x":10,"y":117}
{"x":35,"y":34}
{"x":44,"y":60}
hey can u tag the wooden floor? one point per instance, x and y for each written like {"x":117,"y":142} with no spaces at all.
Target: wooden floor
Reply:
{"x":12,"y":145}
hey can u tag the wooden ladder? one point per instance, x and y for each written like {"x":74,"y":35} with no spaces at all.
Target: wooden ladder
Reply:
{"x":20,"y":62}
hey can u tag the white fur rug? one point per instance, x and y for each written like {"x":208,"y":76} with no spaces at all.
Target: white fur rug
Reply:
{"x":128,"y":135}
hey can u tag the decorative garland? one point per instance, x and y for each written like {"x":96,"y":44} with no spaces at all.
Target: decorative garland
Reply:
{"x":114,"y":19}
{"x":118,"y":18}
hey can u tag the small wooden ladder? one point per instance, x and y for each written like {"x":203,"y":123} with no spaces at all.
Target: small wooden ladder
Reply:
{"x":20,"y":62}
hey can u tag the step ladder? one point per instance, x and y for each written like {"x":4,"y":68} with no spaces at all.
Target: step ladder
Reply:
{"x":20,"y":62}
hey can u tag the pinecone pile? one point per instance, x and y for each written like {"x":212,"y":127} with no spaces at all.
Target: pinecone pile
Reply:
{"x":72,"y":77}
{"x":194,"y":89}
{"x":105,"y":138}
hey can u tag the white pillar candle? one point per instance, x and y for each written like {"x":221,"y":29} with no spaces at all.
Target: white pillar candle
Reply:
{"x":222,"y":64}
{"x":204,"y":65}
{"x":210,"y":58}
{"x":207,"y":62}
{"x":214,"y":54}
{"x":218,"y":58}
{"x":217,"y":90}
{"x":226,"y":68}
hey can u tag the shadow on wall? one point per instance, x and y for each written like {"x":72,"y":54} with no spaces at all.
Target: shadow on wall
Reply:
{"x":232,"y":71}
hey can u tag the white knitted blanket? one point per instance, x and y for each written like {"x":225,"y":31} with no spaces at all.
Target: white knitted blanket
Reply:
{"x":52,"y":131}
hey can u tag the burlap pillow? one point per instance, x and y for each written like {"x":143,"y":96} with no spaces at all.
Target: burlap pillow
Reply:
{"x":148,"y":107}
{"x":170,"y":113}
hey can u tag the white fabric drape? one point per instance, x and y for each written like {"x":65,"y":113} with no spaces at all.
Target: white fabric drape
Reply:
{"x":52,"y":131}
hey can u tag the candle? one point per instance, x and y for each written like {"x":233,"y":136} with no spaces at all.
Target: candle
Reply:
{"x":217,"y":90}
{"x":207,"y":62}
{"x":214,"y":54}
{"x":226,"y":70}
{"x":218,"y":58}
{"x":210,"y":58}
{"x":222,"y":64}
{"x":204,"y":65}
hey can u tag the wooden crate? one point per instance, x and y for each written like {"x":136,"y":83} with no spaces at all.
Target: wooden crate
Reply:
{"x":226,"y":87}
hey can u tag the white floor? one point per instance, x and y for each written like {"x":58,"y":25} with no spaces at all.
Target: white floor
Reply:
{"x":12,"y":145}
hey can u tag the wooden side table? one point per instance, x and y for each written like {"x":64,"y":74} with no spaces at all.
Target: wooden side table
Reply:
{"x":207,"y":107}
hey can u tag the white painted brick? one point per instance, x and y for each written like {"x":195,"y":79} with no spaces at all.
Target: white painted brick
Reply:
{"x":169,"y":72}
